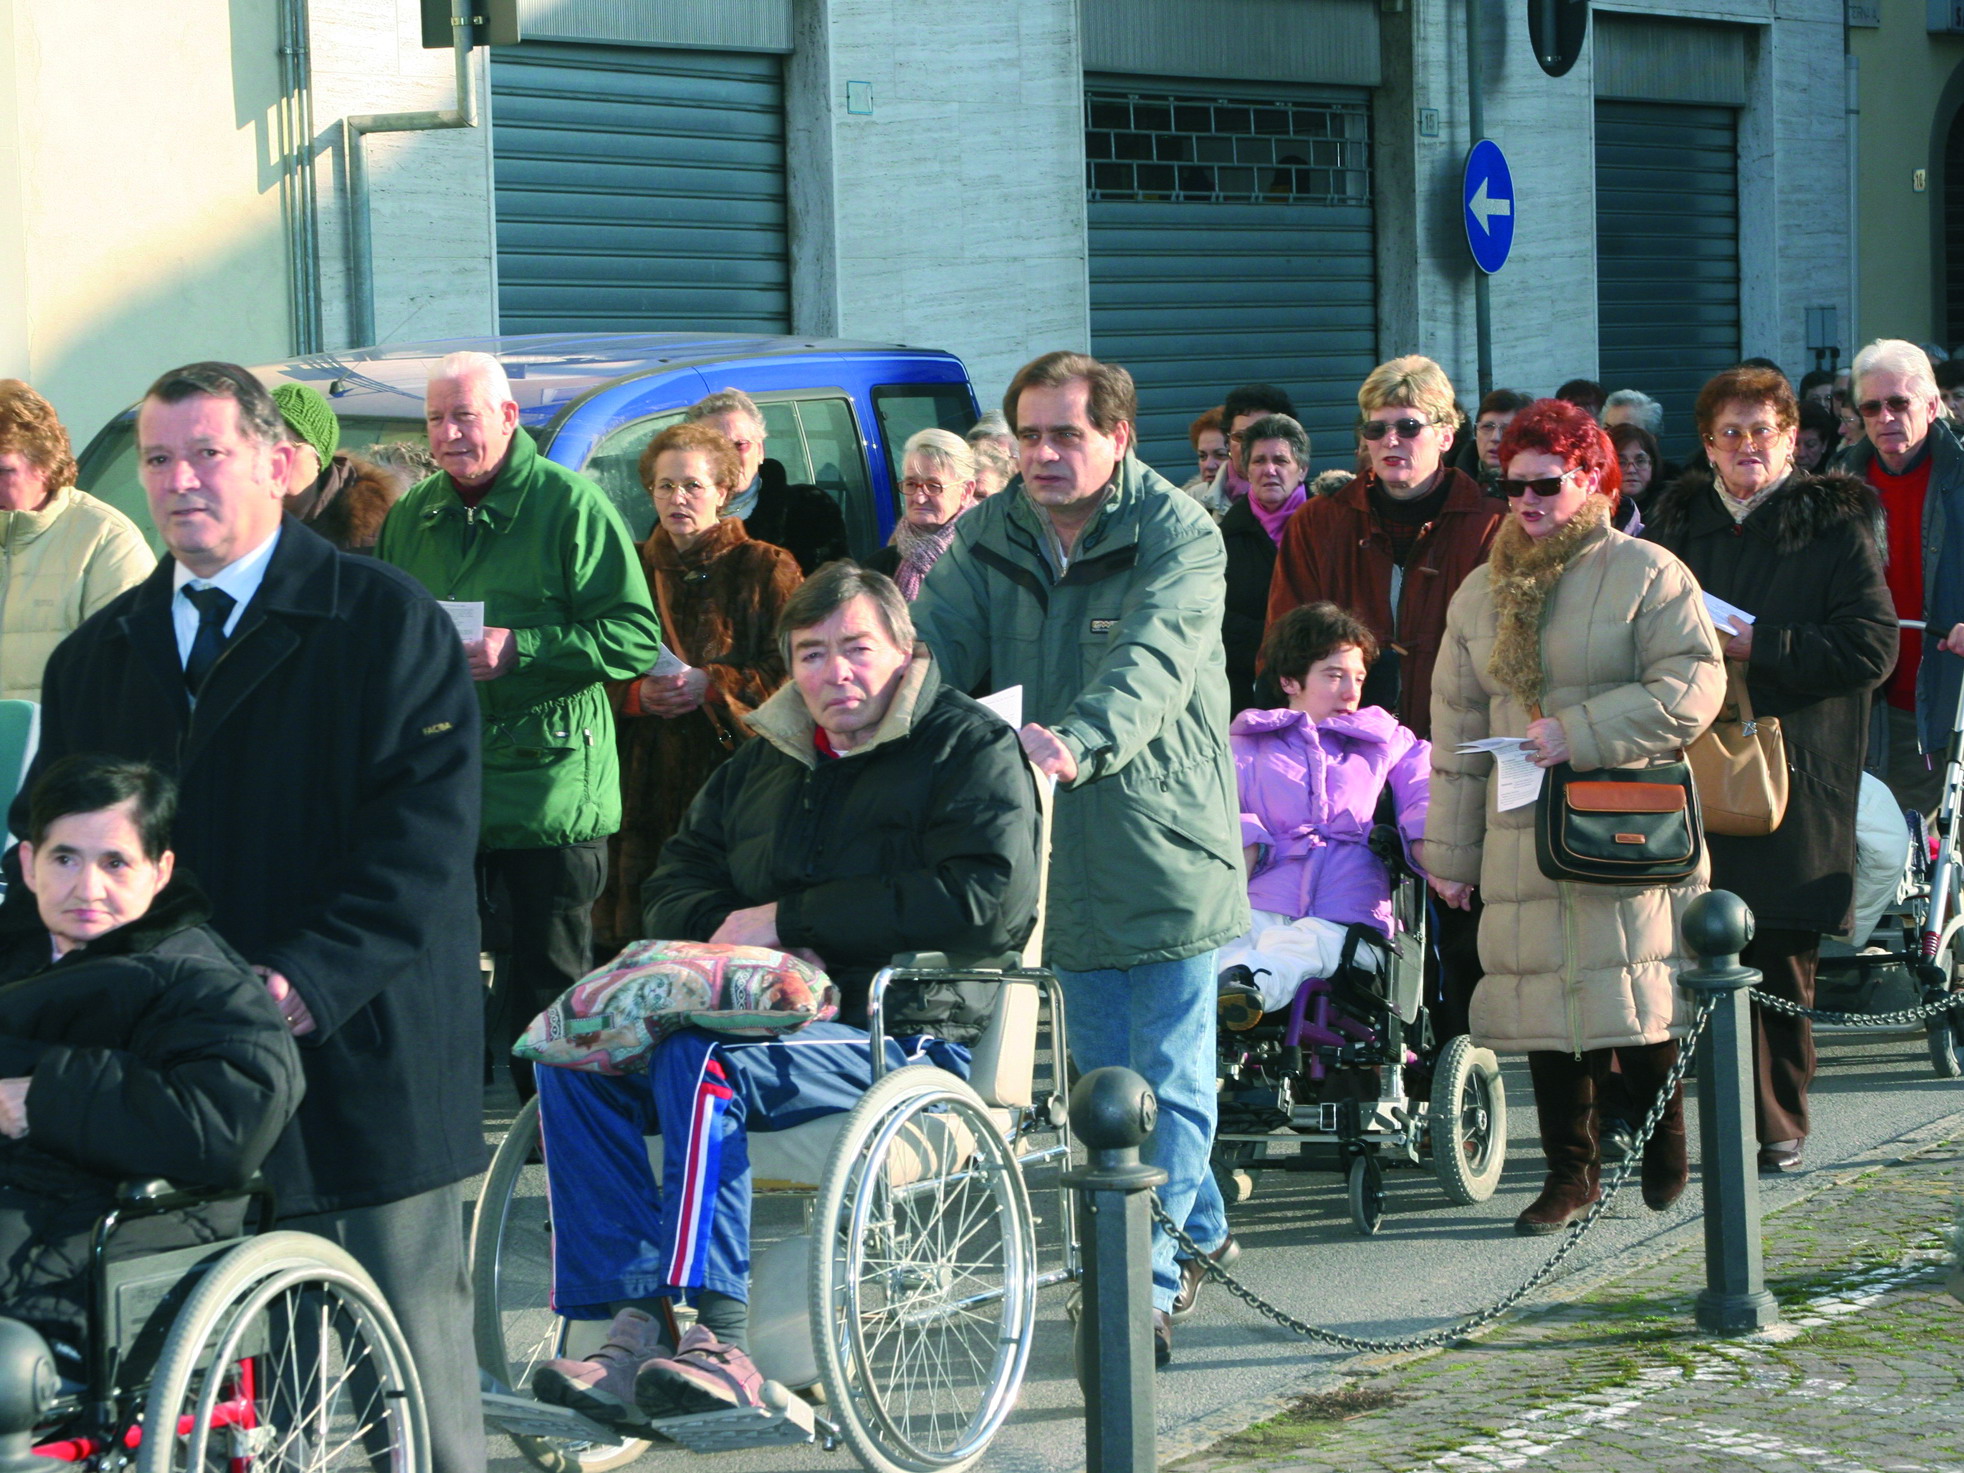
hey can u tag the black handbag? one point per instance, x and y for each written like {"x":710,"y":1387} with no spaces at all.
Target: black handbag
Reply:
{"x":1619,"y":825}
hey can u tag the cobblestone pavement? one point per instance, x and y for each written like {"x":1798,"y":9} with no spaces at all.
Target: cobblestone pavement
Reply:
{"x":1864,"y":1375}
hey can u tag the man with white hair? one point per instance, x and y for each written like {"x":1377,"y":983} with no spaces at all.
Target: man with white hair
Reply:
{"x":1914,"y":460}
{"x":536,"y":553}
{"x":1633,"y":407}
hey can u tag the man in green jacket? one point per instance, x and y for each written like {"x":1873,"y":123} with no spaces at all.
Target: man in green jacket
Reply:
{"x":1097,"y":586}
{"x":535,"y":554}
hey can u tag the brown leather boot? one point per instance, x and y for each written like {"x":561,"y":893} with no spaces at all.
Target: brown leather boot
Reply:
{"x":1565,"y":1108}
{"x":1666,"y":1159}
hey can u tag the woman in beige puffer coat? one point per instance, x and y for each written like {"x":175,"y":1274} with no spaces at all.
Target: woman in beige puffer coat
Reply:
{"x":1609,"y":637}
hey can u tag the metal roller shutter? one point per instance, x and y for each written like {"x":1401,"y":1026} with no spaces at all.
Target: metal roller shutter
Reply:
{"x":639,"y":189}
{"x":1667,"y":253}
{"x":1231,"y":242}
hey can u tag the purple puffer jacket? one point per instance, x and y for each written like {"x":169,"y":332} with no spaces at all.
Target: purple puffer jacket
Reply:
{"x":1308,"y":793}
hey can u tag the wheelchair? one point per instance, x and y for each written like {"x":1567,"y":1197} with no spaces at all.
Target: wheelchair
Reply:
{"x":265,"y":1351}
{"x":903,"y":1312}
{"x":1349,"y":1077}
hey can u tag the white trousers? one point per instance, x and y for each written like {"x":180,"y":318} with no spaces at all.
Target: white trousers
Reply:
{"x":1283,"y":952}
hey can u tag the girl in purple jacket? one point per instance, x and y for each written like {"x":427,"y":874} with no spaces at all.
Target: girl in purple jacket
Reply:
{"x":1310,"y":776}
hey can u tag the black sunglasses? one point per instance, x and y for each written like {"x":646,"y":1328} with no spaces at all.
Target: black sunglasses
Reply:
{"x":1544,"y":486}
{"x":1377,"y":429}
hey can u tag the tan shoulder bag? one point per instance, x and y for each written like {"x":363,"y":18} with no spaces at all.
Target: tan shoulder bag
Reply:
{"x":1740,"y":766}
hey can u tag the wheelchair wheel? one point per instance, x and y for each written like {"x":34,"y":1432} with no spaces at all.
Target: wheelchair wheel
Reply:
{"x":923,"y":1291}
{"x":285,"y":1357}
{"x":511,"y":1280}
{"x":1469,"y":1121}
{"x":1366,"y":1194}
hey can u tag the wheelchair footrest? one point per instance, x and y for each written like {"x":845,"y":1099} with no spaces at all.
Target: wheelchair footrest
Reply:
{"x":783,"y":1418}
{"x":521,"y":1416}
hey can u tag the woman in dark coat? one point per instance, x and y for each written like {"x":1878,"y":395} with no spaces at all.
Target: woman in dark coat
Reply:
{"x":1798,"y":553}
{"x":1274,"y":456}
{"x":718,"y":593}
{"x":937,"y":484}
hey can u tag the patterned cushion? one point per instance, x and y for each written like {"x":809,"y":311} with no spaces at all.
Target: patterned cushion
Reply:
{"x":610,"y":1020}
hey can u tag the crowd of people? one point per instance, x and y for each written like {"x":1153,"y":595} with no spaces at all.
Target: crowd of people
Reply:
{"x":372,"y":715}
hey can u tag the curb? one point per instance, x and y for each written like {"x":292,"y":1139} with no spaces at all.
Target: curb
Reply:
{"x":1200,"y":1433}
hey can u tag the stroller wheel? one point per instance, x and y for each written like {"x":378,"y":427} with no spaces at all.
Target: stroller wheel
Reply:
{"x":1366,"y":1195}
{"x":1946,"y":1048}
{"x":1469,"y":1121}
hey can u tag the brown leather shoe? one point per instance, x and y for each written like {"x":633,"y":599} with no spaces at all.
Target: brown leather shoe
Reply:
{"x":1779,"y":1156}
{"x":1557,"y":1206}
{"x":1192,"y":1276}
{"x":1162,"y":1339}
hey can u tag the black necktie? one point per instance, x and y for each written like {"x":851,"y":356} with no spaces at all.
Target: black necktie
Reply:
{"x":214,"y":608}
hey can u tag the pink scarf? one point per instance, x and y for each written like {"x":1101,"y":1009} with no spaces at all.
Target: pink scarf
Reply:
{"x":1273,"y":521}
{"x":919,"y":550}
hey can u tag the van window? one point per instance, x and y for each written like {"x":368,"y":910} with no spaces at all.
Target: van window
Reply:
{"x":815,"y":439}
{"x":110,"y":472}
{"x":907,"y":409}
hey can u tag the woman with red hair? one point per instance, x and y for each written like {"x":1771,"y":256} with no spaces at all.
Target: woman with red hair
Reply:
{"x":1595,"y":650}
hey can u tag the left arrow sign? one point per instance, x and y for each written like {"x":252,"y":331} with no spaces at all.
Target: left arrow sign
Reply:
{"x":1484,"y":209}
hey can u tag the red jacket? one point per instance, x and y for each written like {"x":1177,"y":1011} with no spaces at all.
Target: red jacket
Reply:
{"x":1333,"y":549}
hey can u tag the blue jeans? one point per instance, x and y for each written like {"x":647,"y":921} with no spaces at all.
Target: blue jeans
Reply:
{"x":1159,"y":1020}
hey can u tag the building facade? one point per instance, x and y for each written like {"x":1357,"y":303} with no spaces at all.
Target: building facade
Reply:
{"x":1210,"y":191}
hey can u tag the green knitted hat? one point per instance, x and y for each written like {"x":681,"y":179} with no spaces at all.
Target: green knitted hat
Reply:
{"x":310,"y":417}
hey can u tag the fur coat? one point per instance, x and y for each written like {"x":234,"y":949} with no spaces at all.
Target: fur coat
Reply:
{"x":719,"y":603}
{"x":1805,"y":563}
{"x":1627,"y":661}
{"x":347,"y":504}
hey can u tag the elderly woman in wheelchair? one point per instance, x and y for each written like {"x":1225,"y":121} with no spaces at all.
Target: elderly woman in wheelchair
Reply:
{"x":880,"y":812}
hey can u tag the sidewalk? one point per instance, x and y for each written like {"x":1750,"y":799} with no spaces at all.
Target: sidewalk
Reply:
{"x":1865,"y":1372}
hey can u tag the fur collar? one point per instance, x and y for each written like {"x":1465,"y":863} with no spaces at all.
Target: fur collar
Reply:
{"x":1522,"y":573}
{"x":661,"y":554}
{"x":1795,"y":515}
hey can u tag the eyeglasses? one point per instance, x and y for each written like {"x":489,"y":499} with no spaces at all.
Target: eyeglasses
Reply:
{"x":923,"y":488}
{"x":1898,"y":404}
{"x":1733,"y":436}
{"x":1377,"y":429}
{"x":1637,"y":461}
{"x":671,"y":490}
{"x":1543,"y":486}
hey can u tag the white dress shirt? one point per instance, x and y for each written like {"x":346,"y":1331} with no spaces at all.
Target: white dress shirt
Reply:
{"x":241,"y":578}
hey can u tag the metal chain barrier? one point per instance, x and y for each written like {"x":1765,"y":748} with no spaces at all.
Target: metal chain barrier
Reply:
{"x":1901,"y":1019}
{"x":1459,"y":1329}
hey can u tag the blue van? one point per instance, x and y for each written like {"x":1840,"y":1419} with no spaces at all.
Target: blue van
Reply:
{"x":836,"y":413}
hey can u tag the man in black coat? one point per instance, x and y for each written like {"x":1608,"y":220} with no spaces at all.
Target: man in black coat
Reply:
{"x":317,"y":712}
{"x":133,"y":1041}
{"x":802,"y":520}
{"x":877,"y":811}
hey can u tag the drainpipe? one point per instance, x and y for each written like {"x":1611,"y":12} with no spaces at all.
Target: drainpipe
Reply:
{"x":299,"y":202}
{"x":361,"y":242}
{"x":1854,"y":205}
{"x":1476,"y":125}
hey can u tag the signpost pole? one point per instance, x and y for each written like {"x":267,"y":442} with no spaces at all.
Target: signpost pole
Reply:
{"x":1476,"y":122}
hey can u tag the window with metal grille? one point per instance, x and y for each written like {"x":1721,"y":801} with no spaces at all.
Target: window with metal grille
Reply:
{"x":1226,"y":150}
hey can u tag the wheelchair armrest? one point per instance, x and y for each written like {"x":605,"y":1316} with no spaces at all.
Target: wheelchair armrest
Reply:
{"x":149,"y":1196}
{"x":1389,"y":846}
{"x":919,"y":961}
{"x":143,"y":1192}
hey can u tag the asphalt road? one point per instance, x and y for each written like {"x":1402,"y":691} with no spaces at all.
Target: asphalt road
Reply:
{"x":1431,"y":1263}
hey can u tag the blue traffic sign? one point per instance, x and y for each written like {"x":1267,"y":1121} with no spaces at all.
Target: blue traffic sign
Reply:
{"x":1488,"y":197}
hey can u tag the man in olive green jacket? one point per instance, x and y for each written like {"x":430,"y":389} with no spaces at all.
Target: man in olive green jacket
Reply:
{"x":1097,"y":586}
{"x":565,"y":608}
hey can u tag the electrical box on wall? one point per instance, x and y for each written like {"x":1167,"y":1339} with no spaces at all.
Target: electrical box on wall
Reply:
{"x":491,"y":23}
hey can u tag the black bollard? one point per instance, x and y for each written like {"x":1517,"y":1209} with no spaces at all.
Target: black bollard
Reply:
{"x":1717,"y":927}
{"x":27,"y":1389}
{"x":1112,"y":1112}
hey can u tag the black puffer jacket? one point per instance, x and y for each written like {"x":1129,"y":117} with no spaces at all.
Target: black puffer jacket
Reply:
{"x":925,"y":839}
{"x":802,"y":520}
{"x":1806,"y":566}
{"x":154,"y":1051}
{"x":1250,"y":568}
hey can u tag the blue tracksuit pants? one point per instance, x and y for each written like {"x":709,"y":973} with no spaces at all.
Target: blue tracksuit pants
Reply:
{"x":616,"y":1234}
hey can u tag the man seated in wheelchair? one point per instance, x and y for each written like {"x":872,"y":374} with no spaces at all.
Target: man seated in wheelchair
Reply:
{"x":134,"y":1043}
{"x":1311,"y":775}
{"x":875,"y":811}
